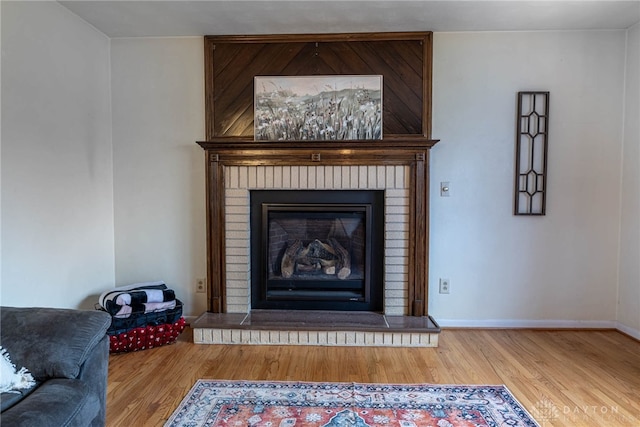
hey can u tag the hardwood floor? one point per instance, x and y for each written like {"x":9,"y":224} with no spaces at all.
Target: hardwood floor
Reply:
{"x":563,"y":378}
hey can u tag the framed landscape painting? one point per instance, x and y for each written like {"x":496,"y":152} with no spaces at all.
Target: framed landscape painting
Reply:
{"x":317,"y":108}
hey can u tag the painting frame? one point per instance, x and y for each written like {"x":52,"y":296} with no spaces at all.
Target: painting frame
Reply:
{"x":318,"y":108}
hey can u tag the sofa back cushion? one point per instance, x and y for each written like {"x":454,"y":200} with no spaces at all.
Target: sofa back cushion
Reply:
{"x":51,"y":342}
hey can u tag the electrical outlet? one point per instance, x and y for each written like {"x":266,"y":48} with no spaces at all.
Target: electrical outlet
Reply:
{"x":201,"y":285}
{"x":444,"y":286}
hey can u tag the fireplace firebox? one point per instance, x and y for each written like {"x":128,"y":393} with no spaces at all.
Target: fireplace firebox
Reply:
{"x":317,"y":249}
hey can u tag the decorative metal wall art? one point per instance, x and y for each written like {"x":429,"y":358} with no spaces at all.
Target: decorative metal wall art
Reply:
{"x":532,"y":130}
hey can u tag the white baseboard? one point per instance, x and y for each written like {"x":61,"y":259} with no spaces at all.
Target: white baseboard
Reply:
{"x":524,"y":323}
{"x":635,"y":333}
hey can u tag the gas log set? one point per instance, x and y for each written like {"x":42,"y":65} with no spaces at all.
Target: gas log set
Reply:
{"x":316,"y":257}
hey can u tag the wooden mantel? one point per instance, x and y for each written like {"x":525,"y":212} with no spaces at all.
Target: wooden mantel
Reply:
{"x":406,"y":150}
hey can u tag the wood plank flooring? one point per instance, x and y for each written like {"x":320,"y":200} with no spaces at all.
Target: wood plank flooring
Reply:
{"x":563,"y":378}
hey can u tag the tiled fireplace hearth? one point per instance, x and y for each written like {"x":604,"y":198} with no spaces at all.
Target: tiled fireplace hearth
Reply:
{"x":398,"y":169}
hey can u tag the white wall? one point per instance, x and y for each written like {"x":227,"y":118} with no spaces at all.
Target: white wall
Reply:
{"x":60,"y":213}
{"x":629,"y":296}
{"x":159,"y":186}
{"x":57,"y":203}
{"x":556,"y":270}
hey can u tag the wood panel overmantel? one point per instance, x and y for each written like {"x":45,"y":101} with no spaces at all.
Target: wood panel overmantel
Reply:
{"x":407,"y":151}
{"x":404,"y":59}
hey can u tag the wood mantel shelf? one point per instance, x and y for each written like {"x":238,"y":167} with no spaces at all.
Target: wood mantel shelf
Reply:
{"x":392,"y":150}
{"x":396,"y":150}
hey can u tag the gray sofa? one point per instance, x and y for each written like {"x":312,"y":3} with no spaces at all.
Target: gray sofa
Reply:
{"x":67,"y":352}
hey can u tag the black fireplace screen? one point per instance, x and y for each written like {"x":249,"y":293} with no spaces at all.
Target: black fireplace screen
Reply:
{"x":317,"y":249}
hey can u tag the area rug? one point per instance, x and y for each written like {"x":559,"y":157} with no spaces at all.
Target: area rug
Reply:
{"x":216,"y":403}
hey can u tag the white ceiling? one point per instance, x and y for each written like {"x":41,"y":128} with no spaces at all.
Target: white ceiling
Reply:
{"x":124,"y":18}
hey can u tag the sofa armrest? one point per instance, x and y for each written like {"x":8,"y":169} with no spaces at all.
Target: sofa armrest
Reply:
{"x":51,"y":342}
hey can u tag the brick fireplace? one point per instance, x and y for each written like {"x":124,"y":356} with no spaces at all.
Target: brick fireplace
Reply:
{"x":398,"y":167}
{"x":392,"y":180}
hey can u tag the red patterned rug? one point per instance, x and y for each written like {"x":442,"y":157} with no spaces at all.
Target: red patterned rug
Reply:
{"x":216,"y":403}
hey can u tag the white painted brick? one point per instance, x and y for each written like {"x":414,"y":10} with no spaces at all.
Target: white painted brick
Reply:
{"x":236,"y":301}
{"x":260,"y":176}
{"x":198,"y":335}
{"x":392,"y":294}
{"x":392,"y":229}
{"x":345,"y":175}
{"x":295,"y":177}
{"x":294,"y":337}
{"x":286,"y":177}
{"x":328,"y":177}
{"x":253,"y":179}
{"x":396,"y":243}
{"x":238,"y":251}
{"x":238,"y":276}
{"x":379,"y":338}
{"x":393,"y":252}
{"x":397,"y":194}
{"x":363,"y":174}
{"x":312,"y":174}
{"x":399,"y":209}
{"x":350,"y":338}
{"x":400,"y":177}
{"x":313,"y":338}
{"x":394,"y":260}
{"x":304,"y":177}
{"x":268,"y":176}
{"x":227,"y":178}
{"x":415,"y":339}
{"x":322,"y":337}
{"x":234,"y":243}
{"x":396,"y":234}
{"x":394,"y":179}
{"x":369,"y":338}
{"x":238,"y":292}
{"x":341,"y":338}
{"x":332,"y":337}
{"x":380,"y":177}
{"x":360,"y":340}
{"x":400,"y":219}
{"x":243,"y":176}
{"x":235,"y":226}
{"x":395,"y":277}
{"x":390,"y":177}
{"x":237,"y":267}
{"x":395,"y":311}
{"x":337,"y":177}
{"x":354,"y":177}
{"x":433,"y":340}
{"x":234,"y":210}
{"x":396,"y":268}
{"x":237,"y":193}
{"x":209,"y":336}
{"x":237,"y":259}
{"x":387,"y":338}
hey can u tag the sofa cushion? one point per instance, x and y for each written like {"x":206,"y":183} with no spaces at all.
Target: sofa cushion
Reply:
{"x":51,"y":342}
{"x":10,"y":398}
{"x":57,"y":402}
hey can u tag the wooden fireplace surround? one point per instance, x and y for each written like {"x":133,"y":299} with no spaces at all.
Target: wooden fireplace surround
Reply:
{"x":404,"y":61}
